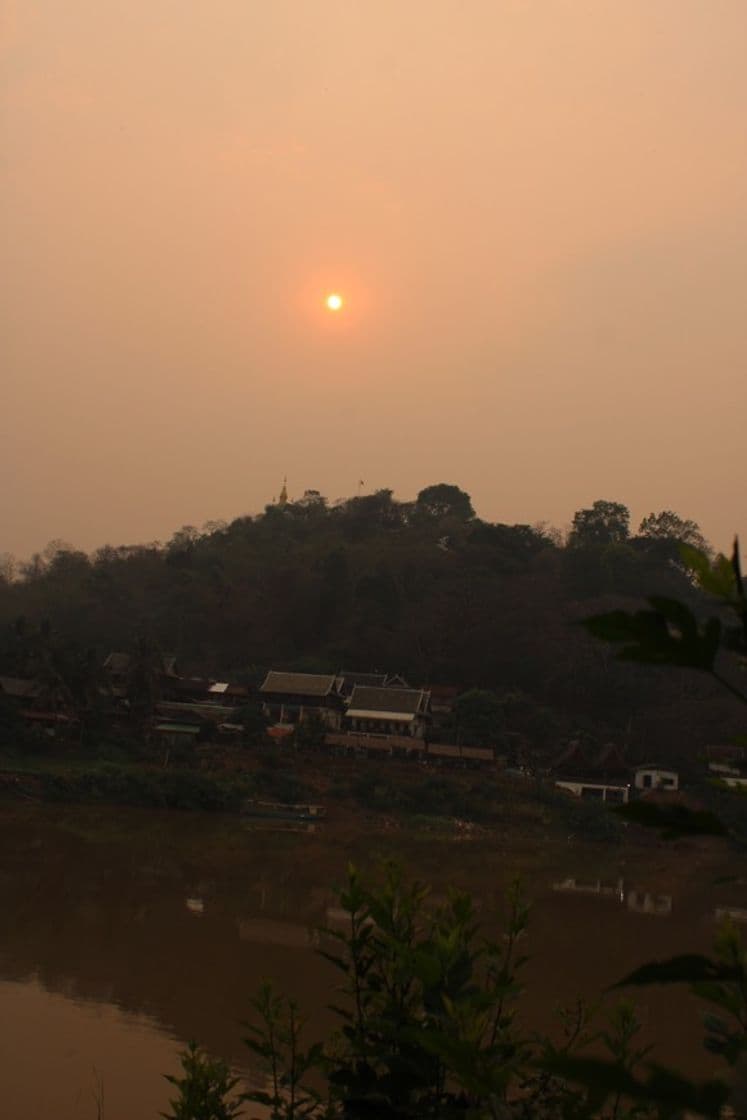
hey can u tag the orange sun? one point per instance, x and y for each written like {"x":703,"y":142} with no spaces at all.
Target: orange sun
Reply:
{"x":333,"y":302}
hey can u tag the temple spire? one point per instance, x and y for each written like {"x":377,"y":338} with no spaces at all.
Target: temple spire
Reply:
{"x":283,"y":499}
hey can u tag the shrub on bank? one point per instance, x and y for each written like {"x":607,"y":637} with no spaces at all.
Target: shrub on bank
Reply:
{"x":485,"y":802}
{"x":435,"y":795}
{"x":280,"y":785}
{"x":159,"y":789}
{"x":585,"y":820}
{"x":175,"y":788}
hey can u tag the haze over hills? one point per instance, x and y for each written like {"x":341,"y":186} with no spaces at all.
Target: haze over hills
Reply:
{"x":535,"y":215}
{"x":425,"y":589}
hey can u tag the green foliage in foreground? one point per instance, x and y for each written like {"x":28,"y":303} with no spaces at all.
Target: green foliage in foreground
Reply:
{"x":669,"y":633}
{"x":205,"y":1091}
{"x":428,"y":1008}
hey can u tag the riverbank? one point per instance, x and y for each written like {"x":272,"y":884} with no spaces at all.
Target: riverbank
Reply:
{"x":379,"y":798}
{"x":392,"y":795}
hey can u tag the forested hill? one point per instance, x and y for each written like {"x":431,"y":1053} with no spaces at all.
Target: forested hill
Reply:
{"x":425,"y":589}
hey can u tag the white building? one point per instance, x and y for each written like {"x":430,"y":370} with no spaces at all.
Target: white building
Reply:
{"x":389,"y":711}
{"x":617,"y":792}
{"x":654,"y":776}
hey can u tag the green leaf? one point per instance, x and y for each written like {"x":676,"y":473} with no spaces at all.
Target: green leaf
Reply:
{"x":736,"y":567}
{"x":338,"y":962}
{"x":715,"y":578}
{"x":688,"y":968}
{"x":662,"y":1087}
{"x":667,"y":635}
{"x":259,"y":1097}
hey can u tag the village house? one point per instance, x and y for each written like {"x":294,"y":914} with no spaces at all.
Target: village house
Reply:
{"x":728,"y":764}
{"x":368,"y":680}
{"x":732,"y":773}
{"x":289,"y":698}
{"x":185,"y":689}
{"x":389,"y":711}
{"x":212,"y":698}
{"x":188,"y":711}
{"x":593,"y":773}
{"x":189,"y":707}
{"x":726,"y":752}
{"x":591,"y":789}
{"x":653,"y":775}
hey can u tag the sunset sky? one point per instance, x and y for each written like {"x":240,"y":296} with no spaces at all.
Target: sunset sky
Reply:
{"x":534,"y":211}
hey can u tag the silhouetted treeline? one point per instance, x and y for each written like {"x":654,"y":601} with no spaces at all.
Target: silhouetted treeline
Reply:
{"x":423,"y":588}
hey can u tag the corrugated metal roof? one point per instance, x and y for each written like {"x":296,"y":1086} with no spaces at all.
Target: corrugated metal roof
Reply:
{"x":388,"y":700}
{"x":300,"y":684}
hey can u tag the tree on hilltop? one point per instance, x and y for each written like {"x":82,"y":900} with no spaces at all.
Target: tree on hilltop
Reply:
{"x":604,"y":524}
{"x":445,"y":500}
{"x":669,"y":526}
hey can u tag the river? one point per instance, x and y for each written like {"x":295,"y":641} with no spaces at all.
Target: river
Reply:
{"x":125,"y":933}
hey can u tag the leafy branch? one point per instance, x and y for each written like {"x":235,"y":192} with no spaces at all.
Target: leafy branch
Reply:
{"x":668,"y":633}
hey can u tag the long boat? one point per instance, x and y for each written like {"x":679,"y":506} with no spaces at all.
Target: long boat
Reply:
{"x":279,"y":810}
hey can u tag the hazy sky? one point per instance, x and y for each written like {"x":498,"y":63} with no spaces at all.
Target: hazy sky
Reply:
{"x":536,"y":211}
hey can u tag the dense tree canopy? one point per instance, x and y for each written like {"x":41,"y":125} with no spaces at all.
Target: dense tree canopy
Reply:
{"x":669,"y":526}
{"x":479,"y":718}
{"x":445,"y":500}
{"x":371,"y":583}
{"x":605,"y":523}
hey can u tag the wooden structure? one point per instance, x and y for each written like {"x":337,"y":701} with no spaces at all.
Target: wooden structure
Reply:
{"x":289,"y":698}
{"x":392,"y":711}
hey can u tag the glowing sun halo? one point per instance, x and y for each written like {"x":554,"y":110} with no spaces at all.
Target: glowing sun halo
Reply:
{"x":333,"y":302}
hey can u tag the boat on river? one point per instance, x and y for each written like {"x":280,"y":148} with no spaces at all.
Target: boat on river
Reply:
{"x":279,"y":810}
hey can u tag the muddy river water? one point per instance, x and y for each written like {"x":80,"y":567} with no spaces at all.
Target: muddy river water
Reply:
{"x":125,"y":933}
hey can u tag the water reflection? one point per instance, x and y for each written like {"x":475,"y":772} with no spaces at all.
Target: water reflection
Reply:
{"x":100,"y":908}
{"x":645,"y":902}
{"x":638,"y":901}
{"x":269,"y":824}
{"x":265,"y":931}
{"x":592,"y":886}
{"x":733,"y":913}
